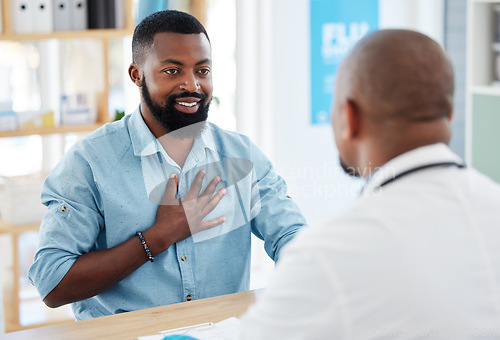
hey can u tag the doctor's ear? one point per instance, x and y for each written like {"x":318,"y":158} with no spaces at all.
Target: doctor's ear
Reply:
{"x":450,"y":115}
{"x":353,"y":118}
{"x":135,"y":74}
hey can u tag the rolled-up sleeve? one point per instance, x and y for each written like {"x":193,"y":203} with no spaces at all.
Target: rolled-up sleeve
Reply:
{"x":71,"y":224}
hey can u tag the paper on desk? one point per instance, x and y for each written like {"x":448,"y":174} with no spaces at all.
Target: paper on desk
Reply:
{"x":225,"y":330}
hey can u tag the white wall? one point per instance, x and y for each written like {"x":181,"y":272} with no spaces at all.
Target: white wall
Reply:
{"x":426,"y":16}
{"x":274,"y":94}
{"x":304,"y":154}
{"x":273,"y":101}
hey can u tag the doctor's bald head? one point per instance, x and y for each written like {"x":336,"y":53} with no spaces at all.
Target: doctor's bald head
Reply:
{"x":394,"y":92}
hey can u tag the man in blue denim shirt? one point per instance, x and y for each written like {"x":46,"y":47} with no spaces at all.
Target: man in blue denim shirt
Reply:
{"x":159,"y":207}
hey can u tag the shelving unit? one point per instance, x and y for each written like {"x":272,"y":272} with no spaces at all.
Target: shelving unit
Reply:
{"x":53,"y":130}
{"x":12,"y":301}
{"x":483,"y":96}
{"x":101,"y":34}
{"x":12,"y":291}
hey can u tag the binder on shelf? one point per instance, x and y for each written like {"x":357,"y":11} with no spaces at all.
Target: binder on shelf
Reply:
{"x":78,"y":109}
{"x":109,"y":12}
{"x":8,"y":121}
{"x":496,"y":23}
{"x":496,"y":45}
{"x":22,"y":16}
{"x":62,"y":16}
{"x":43,"y":21}
{"x":119,"y":14}
{"x":96,"y":18}
{"x":496,"y":64}
{"x":29,"y":120}
{"x":78,"y":13}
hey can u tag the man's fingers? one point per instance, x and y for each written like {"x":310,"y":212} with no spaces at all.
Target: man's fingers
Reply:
{"x":195,"y":189}
{"x":170,"y":196}
{"x":210,"y":189}
{"x":205,"y":225}
{"x":213,"y":202}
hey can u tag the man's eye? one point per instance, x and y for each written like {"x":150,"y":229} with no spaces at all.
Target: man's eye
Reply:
{"x":171,"y":71}
{"x":204,"y":71}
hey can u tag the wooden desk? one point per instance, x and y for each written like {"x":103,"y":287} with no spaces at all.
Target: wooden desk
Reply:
{"x":144,"y":322}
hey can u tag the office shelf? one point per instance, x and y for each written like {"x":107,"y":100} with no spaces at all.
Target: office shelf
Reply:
{"x":482,"y":96}
{"x":53,"y":130}
{"x":13,"y":303}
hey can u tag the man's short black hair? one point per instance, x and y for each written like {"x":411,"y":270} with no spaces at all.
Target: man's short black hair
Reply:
{"x":162,"y":21}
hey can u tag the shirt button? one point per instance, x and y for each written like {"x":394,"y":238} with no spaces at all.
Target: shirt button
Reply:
{"x":63,"y":208}
{"x":183,"y":258}
{"x":188,"y":298}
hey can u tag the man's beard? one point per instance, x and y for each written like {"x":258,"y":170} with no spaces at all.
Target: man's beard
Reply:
{"x":179,"y":125}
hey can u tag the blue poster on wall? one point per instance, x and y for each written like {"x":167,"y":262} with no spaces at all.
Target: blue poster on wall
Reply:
{"x":336,"y":25}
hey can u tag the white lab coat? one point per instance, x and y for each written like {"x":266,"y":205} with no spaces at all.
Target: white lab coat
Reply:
{"x":416,"y":258}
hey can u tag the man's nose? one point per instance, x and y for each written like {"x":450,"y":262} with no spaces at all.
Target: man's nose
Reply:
{"x":190,"y":83}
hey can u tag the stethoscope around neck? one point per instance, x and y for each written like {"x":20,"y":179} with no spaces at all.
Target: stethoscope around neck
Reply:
{"x":420,"y":168}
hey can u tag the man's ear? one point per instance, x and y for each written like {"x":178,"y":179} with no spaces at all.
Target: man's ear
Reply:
{"x":135,"y":74}
{"x":450,"y":115}
{"x":353,"y":118}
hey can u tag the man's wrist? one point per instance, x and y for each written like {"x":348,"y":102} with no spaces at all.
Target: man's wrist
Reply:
{"x":145,"y":246}
{"x":156,"y":243}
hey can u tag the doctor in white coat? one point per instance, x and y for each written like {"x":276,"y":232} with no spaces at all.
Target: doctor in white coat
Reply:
{"x":418,"y":254}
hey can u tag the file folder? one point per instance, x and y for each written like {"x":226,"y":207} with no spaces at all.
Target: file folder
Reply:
{"x":43,"y":21}
{"x":109,"y":12}
{"x":101,"y":14}
{"x":22,"y":16}
{"x":119,"y":14}
{"x":96,"y":14}
{"x":78,"y":14}
{"x":496,"y":23}
{"x":62,"y":16}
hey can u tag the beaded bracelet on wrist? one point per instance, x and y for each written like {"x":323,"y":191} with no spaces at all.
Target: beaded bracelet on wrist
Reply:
{"x":143,"y":241}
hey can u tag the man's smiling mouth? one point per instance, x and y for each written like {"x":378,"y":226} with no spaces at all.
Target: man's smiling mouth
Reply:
{"x":187,"y":104}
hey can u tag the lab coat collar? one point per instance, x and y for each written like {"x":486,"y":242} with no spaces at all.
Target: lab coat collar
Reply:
{"x":422,"y":156}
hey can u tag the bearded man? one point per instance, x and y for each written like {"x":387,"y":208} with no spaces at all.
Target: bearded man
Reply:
{"x":159,"y":207}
